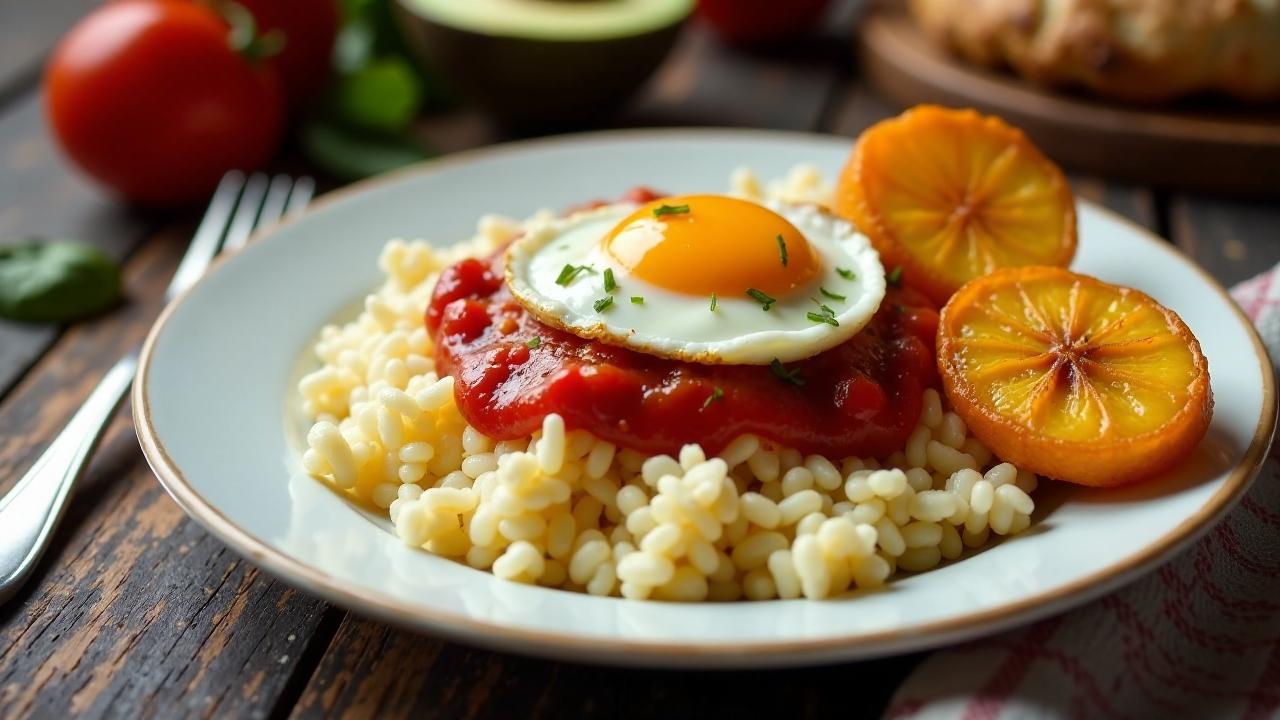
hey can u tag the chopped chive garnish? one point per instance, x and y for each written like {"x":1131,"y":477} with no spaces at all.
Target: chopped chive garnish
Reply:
{"x":781,"y":372}
{"x":828,"y":319}
{"x":569,"y":272}
{"x":713,"y":302}
{"x":828,"y":294}
{"x":827,"y":315}
{"x":846,"y":273}
{"x":895,"y":276}
{"x":637,"y":300}
{"x":716,"y":394}
{"x":826,"y":310}
{"x":761,"y":298}
{"x":533,"y":342}
{"x":782,"y":250}
{"x":670,"y":210}
{"x":603,"y":303}
{"x":609,"y":284}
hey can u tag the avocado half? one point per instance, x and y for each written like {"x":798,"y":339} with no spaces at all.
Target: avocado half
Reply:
{"x":543,"y":62}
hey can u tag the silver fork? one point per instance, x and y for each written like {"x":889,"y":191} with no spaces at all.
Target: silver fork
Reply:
{"x":31,"y":510}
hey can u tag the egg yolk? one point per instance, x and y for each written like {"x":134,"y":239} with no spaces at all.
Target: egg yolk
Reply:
{"x":703,"y":244}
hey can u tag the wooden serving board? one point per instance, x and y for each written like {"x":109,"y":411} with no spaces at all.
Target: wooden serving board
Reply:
{"x":1210,"y":147}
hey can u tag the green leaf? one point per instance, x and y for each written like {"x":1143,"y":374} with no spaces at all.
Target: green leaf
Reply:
{"x":56,"y":281}
{"x":370,"y":31}
{"x":383,"y":95}
{"x":352,"y":155}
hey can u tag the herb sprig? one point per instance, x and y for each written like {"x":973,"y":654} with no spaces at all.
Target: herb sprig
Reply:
{"x":716,"y":395}
{"x":846,"y":273}
{"x":781,"y":372}
{"x":825,"y":315}
{"x":570,"y":272}
{"x":603,"y":303}
{"x":830,"y":295}
{"x":760,"y":297}
{"x":782,"y":250}
{"x":670,"y":210}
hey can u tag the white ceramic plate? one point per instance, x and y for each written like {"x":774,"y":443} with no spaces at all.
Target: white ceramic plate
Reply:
{"x":218,"y":368}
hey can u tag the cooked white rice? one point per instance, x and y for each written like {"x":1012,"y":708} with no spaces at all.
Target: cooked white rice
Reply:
{"x":567,"y":510}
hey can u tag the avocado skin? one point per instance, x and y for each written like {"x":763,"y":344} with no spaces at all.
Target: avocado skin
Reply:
{"x":530,"y":83}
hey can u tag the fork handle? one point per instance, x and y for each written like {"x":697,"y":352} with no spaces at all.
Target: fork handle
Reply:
{"x":31,"y":510}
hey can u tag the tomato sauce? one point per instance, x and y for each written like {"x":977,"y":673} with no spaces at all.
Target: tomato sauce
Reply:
{"x":862,"y":398}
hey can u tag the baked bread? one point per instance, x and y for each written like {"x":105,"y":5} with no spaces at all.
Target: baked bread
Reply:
{"x":1138,"y":50}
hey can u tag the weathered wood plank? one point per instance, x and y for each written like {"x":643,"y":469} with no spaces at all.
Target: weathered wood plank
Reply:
{"x":856,"y":107}
{"x":1232,"y":239}
{"x":28,"y":31}
{"x":460,"y":129}
{"x":1130,"y":201}
{"x":135,"y":611}
{"x":705,"y":82}
{"x":42,"y":196}
{"x":375,"y":671}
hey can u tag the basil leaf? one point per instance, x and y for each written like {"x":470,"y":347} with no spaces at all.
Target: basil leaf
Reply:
{"x":383,"y":96}
{"x":56,"y":281}
{"x":352,"y":155}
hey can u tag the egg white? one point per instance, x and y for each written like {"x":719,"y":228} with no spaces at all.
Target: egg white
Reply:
{"x":675,"y":325}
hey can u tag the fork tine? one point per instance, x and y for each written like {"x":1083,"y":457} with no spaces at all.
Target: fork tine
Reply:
{"x":303,"y":188}
{"x":204,"y":244}
{"x":277,"y":196}
{"x":246,"y":216}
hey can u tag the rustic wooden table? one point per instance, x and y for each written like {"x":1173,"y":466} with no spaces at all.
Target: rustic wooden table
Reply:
{"x":136,"y":612}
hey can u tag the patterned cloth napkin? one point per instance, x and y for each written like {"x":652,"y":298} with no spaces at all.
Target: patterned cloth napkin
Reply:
{"x":1200,"y":637}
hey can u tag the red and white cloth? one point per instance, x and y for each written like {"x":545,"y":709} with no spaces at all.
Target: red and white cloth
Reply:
{"x":1198,"y":638}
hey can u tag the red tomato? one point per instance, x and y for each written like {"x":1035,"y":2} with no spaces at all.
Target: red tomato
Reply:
{"x":148,"y":97}
{"x":309,"y":28}
{"x":761,"y":21}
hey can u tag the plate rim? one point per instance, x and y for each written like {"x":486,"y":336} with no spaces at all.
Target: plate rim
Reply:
{"x":633,"y":651}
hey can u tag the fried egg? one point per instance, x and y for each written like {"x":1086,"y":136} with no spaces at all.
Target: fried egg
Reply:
{"x":701,"y":278}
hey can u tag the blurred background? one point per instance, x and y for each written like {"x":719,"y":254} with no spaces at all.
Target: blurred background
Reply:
{"x":117,"y":119}
{"x":120,"y":117}
{"x":351,"y":88}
